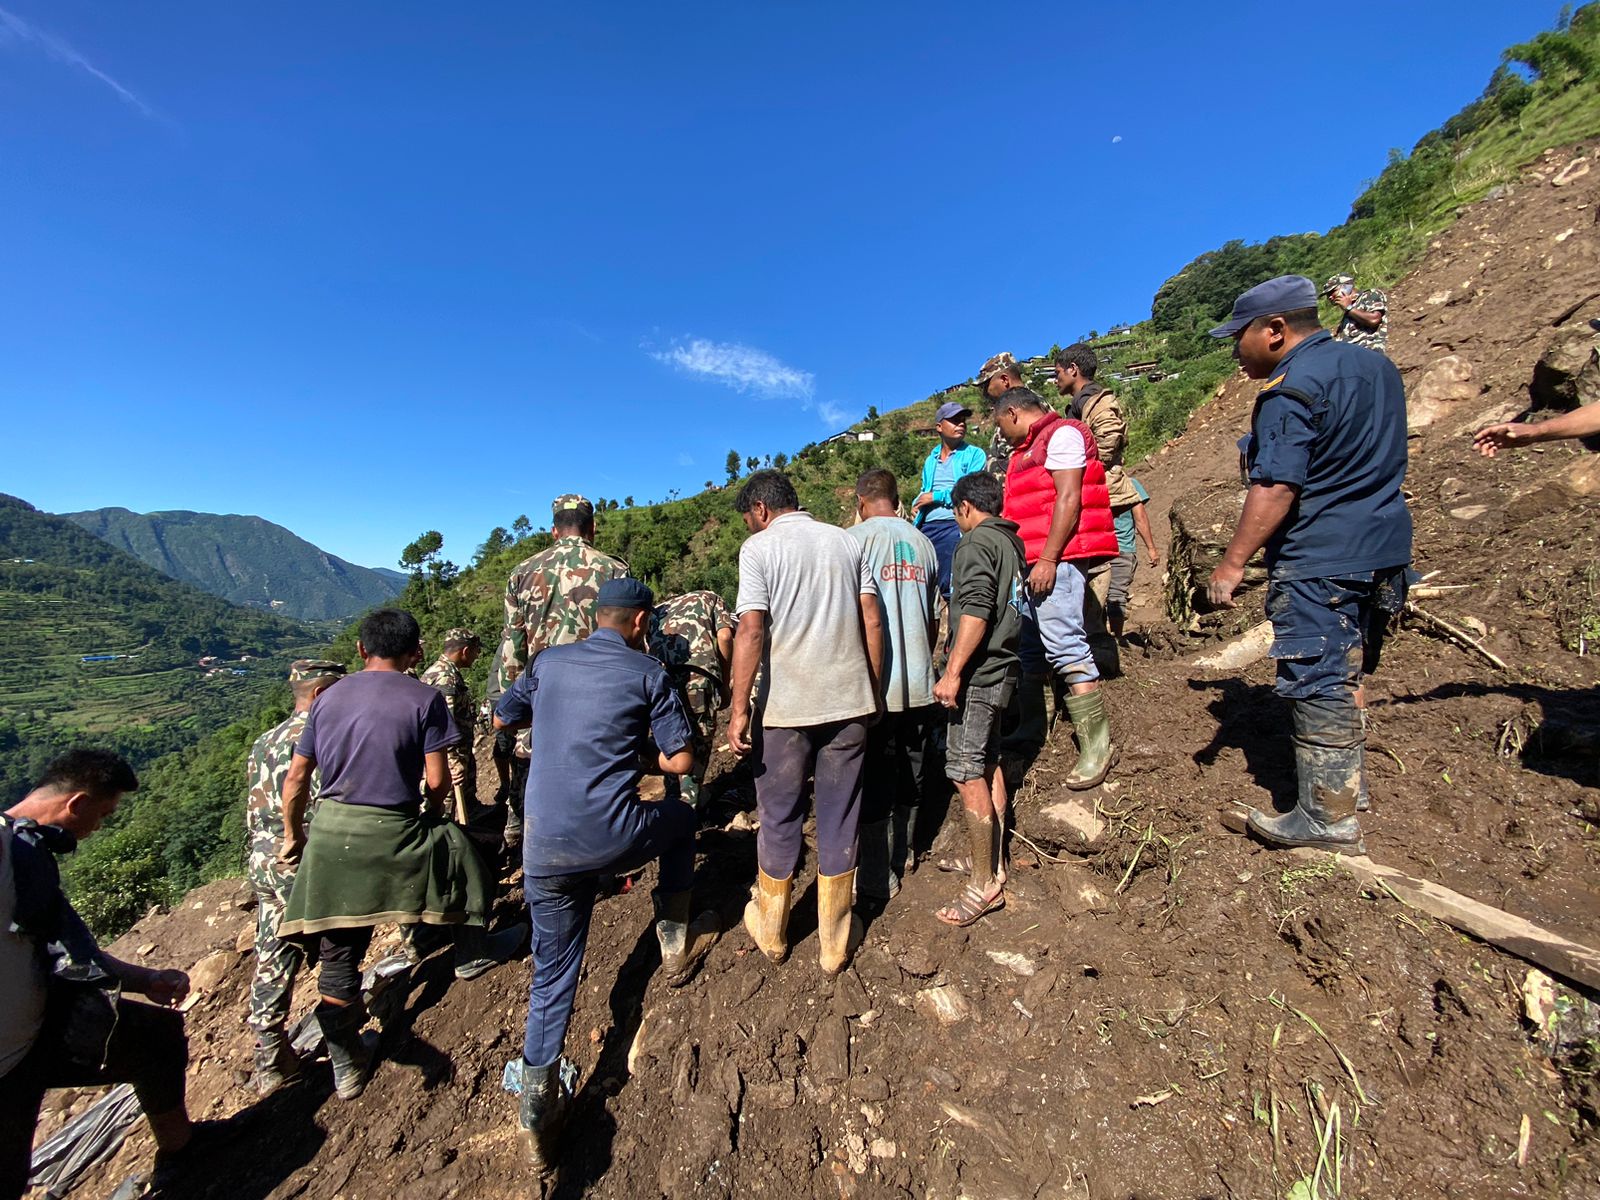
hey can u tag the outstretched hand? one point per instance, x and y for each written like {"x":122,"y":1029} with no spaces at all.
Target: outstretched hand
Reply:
{"x":1499,"y":437}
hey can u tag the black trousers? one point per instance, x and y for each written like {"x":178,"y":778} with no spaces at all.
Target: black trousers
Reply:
{"x":147,"y":1048}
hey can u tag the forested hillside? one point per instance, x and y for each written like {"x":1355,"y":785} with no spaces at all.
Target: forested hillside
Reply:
{"x":66,"y":596}
{"x":246,"y":560}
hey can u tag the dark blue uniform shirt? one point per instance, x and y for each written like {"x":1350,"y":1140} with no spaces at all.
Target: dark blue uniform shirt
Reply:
{"x":1332,"y":422}
{"x":593,"y":704}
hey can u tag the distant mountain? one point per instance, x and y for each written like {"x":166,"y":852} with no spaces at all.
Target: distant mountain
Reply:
{"x":247,"y":560}
{"x":400,"y":578}
{"x":97,"y":648}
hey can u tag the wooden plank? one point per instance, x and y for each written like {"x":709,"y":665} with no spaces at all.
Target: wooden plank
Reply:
{"x":1515,"y":935}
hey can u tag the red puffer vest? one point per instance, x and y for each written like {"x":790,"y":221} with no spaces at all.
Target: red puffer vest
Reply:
{"x":1031,"y":496}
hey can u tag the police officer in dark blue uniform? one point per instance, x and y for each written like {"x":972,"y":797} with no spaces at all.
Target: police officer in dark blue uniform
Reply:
{"x":1326,"y":459}
{"x":593,"y":707}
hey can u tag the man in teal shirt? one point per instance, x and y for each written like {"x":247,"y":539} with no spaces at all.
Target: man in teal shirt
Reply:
{"x":950,"y":460}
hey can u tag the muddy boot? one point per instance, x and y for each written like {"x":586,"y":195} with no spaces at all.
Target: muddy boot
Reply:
{"x":1363,"y":801}
{"x":1092,"y":730}
{"x":478,"y":951}
{"x":542,"y":1111}
{"x":1327,"y":757}
{"x":276,"y":1063}
{"x":875,"y":879}
{"x":903,"y":840}
{"x":766,"y":917}
{"x":352,"y":1054}
{"x":839,"y":931}
{"x":683,"y":942}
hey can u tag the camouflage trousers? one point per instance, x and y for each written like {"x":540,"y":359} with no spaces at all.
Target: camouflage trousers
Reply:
{"x":701,"y":703}
{"x":277,"y":961}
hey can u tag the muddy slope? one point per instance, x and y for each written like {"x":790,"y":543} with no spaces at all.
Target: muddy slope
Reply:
{"x":1180,"y":1015}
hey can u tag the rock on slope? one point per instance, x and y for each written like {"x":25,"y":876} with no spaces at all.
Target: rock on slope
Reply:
{"x":1181,"y":1014}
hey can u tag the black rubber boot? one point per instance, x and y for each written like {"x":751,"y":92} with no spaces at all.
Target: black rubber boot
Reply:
{"x":352,"y":1053}
{"x":684,"y":943}
{"x":543,"y":1113}
{"x":478,"y":952}
{"x":903,"y":840}
{"x":1092,"y":730}
{"x":276,"y":1063}
{"x":1328,"y":766}
{"x":875,"y":877}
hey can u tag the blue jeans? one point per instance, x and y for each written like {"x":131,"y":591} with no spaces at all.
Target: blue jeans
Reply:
{"x":1053,"y":634}
{"x":560,"y":907}
{"x":1328,"y":633}
{"x":831,"y":756}
{"x":944,"y":535}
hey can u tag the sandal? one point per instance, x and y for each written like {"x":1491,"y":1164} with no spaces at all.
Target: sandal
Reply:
{"x":972,"y":904}
{"x":962,"y":865}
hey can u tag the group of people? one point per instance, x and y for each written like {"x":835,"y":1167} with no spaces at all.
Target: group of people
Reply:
{"x":853,"y":661}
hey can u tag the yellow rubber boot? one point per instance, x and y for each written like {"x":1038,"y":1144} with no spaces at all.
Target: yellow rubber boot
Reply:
{"x":767,"y":915}
{"x":838,"y":929}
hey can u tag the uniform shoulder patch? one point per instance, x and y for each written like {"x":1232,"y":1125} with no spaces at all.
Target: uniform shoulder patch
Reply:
{"x":1272,"y":383}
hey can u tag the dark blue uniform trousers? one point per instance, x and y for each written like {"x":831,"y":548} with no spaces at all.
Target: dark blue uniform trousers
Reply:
{"x":561,"y":905}
{"x":944,"y":535}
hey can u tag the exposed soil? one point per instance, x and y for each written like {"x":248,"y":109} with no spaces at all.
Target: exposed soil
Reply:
{"x":1175,"y":1016}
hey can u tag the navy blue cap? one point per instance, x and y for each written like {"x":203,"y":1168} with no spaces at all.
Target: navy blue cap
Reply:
{"x":1284,"y":294}
{"x":951,"y":409}
{"x":625,"y":593}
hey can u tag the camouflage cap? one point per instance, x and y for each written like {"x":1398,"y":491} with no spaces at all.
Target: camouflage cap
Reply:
{"x":303,"y":669}
{"x":461,"y":636}
{"x":1338,"y":281}
{"x":572,"y":502}
{"x":1004,"y":361}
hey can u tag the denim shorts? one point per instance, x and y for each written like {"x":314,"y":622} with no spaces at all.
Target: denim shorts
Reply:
{"x":972,"y":739}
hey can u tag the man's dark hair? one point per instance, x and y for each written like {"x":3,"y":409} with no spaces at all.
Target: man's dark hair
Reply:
{"x":572,"y":520}
{"x":879,"y":484}
{"x":1017,"y":397}
{"x":100,"y":773}
{"x":1303,"y":320}
{"x":390,"y":633}
{"x":771,"y":488}
{"x":981,"y":490}
{"x":1080,"y":356}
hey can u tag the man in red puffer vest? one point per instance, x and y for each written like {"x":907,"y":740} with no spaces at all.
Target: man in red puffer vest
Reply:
{"x":1056,"y":493}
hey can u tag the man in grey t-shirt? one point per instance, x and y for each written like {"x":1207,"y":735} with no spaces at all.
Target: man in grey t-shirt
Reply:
{"x":905,"y":565}
{"x":808,"y":614}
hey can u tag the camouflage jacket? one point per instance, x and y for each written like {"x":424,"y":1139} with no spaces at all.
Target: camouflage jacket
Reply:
{"x":999,"y":455}
{"x":683,"y":634}
{"x":452,"y":685}
{"x":1371,"y":300}
{"x":550,"y":601}
{"x":264,"y":771}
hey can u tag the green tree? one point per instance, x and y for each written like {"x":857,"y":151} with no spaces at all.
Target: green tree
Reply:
{"x":522,"y":527}
{"x":732,"y":465}
{"x":752,"y":462}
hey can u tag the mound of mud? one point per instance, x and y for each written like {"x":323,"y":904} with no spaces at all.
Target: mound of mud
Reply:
{"x":1176,"y":1013}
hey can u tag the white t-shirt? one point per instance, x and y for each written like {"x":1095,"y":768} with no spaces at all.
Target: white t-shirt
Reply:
{"x":809,"y":577}
{"x":1067,"y":451}
{"x":23,"y":988}
{"x":906,"y":567}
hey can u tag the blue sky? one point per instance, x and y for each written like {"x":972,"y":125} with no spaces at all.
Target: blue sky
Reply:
{"x":367,"y":269}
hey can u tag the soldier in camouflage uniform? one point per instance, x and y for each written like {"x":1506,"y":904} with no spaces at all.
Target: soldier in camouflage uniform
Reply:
{"x":277,"y":962}
{"x":461,"y":650}
{"x":1000,"y":365}
{"x":1366,"y":313}
{"x":550,"y":601}
{"x":692,"y":635}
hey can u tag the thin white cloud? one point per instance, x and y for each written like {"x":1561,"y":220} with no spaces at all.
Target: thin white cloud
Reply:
{"x":15,"y":32}
{"x":1116,"y":139}
{"x":832,"y":414}
{"x":685,"y":459}
{"x":742,"y":368}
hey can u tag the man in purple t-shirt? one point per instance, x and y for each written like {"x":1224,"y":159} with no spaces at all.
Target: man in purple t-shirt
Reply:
{"x":373,"y":856}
